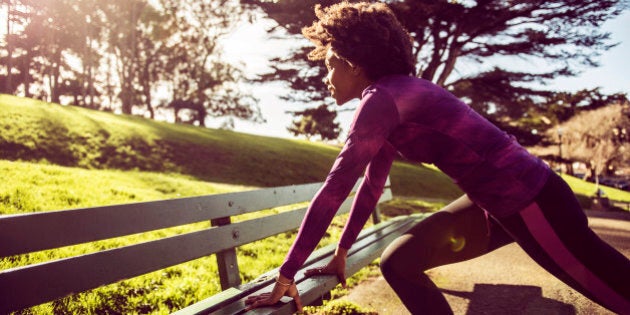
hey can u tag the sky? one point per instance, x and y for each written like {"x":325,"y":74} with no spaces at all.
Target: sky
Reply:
{"x":250,"y":46}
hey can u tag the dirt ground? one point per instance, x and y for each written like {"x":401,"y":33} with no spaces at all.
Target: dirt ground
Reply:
{"x":505,"y":281}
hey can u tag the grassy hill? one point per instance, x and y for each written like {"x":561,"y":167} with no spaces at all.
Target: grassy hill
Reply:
{"x":40,"y":133}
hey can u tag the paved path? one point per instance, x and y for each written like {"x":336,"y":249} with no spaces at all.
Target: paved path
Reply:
{"x":505,"y":281}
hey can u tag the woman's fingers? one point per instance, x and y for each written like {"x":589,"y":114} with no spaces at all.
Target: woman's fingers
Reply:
{"x":254,"y":298}
{"x":257,"y":303}
{"x":342,"y":278}
{"x":269,"y":298}
{"x":324,"y":271}
{"x":298,"y":302}
{"x":293,"y":292}
{"x":259,"y":300}
{"x":316,"y":271}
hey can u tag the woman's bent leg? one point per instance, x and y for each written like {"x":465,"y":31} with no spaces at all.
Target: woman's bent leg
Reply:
{"x":459,"y":232}
{"x":554,"y":232}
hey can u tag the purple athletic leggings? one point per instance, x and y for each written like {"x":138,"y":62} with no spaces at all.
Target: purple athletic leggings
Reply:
{"x":553,"y":231}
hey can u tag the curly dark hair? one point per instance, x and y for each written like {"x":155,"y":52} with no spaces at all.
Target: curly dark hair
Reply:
{"x":366,"y":34}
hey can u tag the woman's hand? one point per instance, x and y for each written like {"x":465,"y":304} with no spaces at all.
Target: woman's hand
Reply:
{"x":283,"y":287}
{"x":336,"y":266}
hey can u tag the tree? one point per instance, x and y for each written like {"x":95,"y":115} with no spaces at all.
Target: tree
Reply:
{"x":199,"y":76}
{"x":562,"y":35}
{"x":74,"y":49}
{"x":43,"y":40}
{"x":59,"y":21}
{"x":123,"y":40}
{"x":91,"y":54}
{"x":14,"y":18}
{"x":318,"y":121}
{"x":599,"y":138}
{"x":8,"y":80}
{"x":32,"y":45}
{"x":154,"y":51}
{"x":303,"y":76}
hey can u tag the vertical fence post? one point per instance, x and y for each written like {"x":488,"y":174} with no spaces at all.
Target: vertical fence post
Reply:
{"x":226,"y":261}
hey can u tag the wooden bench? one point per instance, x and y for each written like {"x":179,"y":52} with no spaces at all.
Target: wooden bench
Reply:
{"x":34,"y":284}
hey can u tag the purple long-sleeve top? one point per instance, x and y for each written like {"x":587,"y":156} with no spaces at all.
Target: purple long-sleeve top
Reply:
{"x":427,"y":124}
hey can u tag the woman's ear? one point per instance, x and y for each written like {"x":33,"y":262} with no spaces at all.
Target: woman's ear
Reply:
{"x":355,"y":69}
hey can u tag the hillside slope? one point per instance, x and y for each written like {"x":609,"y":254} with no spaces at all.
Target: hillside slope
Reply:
{"x":38,"y":132}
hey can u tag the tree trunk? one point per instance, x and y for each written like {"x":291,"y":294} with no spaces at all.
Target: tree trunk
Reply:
{"x":125,"y":97}
{"x":202,"y":114}
{"x":449,"y":65}
{"x":570,"y":170}
{"x":146,"y":88}
{"x":176,"y":114}
{"x":9,"y":83}
{"x":429,"y":72}
{"x":89,"y":96}
{"x":55,"y":77}
{"x":90,"y":89}
{"x":148,"y":99}
{"x":26,"y":75}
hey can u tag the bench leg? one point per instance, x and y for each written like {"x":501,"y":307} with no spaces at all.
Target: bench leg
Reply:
{"x":226,"y":262}
{"x":228,"y":269}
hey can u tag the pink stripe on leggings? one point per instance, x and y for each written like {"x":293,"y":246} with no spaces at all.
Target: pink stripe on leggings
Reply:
{"x":544,"y":234}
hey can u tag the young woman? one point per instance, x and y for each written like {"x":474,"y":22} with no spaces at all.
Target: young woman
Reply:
{"x":511,"y":196}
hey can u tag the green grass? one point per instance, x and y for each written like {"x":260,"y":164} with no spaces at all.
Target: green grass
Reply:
{"x":588,"y":189}
{"x":34,"y":187}
{"x":56,"y":157}
{"x":29,"y":187}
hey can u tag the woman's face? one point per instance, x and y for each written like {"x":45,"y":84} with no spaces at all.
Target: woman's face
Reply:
{"x":342,"y":80}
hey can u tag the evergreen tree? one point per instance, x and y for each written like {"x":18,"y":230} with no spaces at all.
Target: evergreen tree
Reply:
{"x":558,"y":37}
{"x":319,"y":121}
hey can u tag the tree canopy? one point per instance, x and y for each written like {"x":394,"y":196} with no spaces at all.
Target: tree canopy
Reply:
{"x":468,"y":47}
{"x":599,"y":138}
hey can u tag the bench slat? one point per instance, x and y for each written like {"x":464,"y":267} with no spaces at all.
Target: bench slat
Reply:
{"x":31,"y":232}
